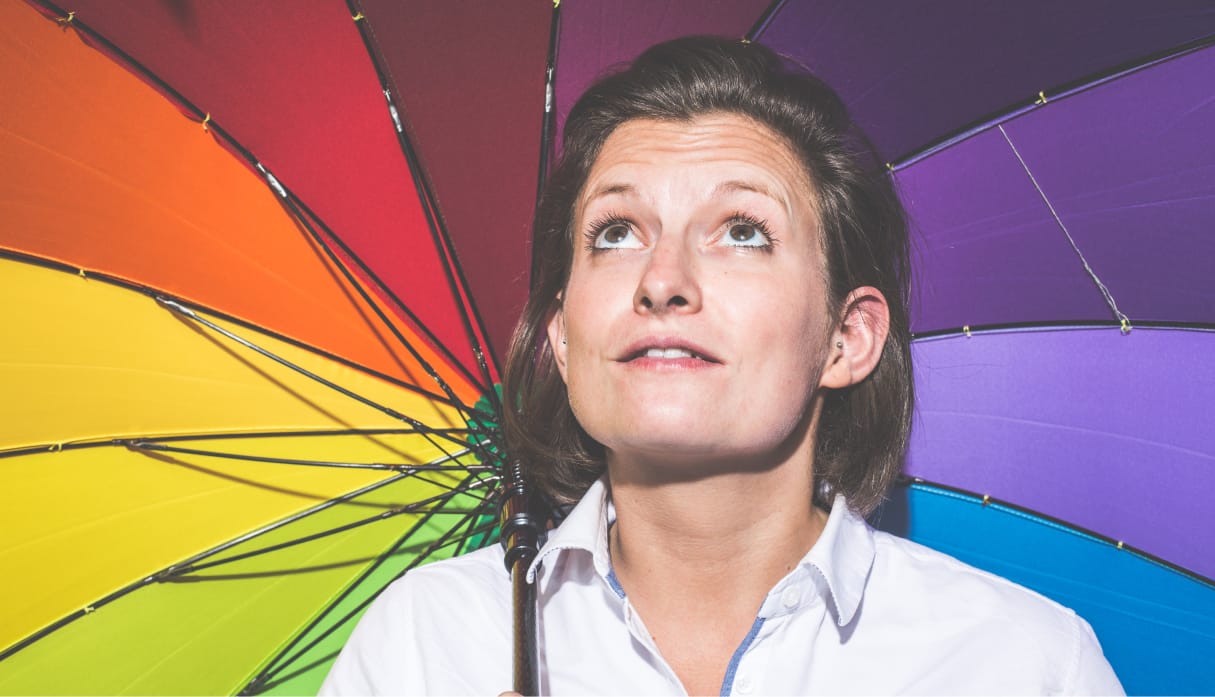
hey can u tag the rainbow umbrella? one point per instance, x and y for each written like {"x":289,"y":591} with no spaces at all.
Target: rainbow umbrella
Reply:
{"x":260,"y":262}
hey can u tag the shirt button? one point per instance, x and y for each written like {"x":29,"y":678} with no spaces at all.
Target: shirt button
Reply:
{"x":743,"y":685}
{"x":791,"y":597}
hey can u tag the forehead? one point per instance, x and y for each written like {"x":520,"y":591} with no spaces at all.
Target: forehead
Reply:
{"x":708,"y":151}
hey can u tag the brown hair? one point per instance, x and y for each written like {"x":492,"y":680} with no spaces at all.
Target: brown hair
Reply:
{"x":863,"y":430}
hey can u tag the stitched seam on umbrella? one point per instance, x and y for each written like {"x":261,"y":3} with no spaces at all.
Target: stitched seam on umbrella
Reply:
{"x":1012,"y":511}
{"x":929,"y":487}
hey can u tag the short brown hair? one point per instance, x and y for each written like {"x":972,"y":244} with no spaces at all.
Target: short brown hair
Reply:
{"x":864,"y":428}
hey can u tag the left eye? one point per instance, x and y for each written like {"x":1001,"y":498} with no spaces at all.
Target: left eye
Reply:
{"x":744,"y":234}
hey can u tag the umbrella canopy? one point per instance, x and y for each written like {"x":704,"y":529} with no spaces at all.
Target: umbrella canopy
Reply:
{"x":260,"y":261}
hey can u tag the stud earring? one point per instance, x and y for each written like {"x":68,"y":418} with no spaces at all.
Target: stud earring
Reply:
{"x":839,"y":344}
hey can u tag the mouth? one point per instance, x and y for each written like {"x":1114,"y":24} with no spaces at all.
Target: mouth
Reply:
{"x":666,"y":350}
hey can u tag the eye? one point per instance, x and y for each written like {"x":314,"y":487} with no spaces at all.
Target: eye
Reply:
{"x":616,"y":235}
{"x":745,"y":231}
{"x":612,"y":233}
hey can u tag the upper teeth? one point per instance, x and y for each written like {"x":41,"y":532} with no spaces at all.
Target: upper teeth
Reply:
{"x":669,"y":353}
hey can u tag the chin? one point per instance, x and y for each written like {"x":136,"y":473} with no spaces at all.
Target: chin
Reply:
{"x":695,"y":445}
{"x":703,"y":446}
{"x":676,"y":427}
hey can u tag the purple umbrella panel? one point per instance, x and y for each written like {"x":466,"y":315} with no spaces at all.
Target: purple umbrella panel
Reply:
{"x":1092,"y":208}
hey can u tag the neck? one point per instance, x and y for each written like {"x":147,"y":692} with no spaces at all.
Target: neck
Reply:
{"x":699,"y":541}
{"x":697,"y":558}
{"x":697,"y":534}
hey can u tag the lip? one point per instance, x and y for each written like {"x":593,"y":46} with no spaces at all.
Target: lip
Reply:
{"x":634,"y":353}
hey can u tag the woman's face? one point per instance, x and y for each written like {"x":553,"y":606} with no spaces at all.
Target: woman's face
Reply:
{"x":694,"y":325}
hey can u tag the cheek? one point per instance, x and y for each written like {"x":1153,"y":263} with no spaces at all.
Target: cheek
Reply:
{"x":593,"y":303}
{"x":791,"y":316}
{"x":793,"y":347}
{"x":584,"y":331}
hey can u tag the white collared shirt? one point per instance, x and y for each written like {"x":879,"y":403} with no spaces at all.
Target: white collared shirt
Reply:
{"x":864,"y":612}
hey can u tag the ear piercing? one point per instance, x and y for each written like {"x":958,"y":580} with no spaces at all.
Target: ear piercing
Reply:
{"x":838,"y":344}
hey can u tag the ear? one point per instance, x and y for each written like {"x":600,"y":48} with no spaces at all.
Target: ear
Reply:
{"x":856,"y":344}
{"x":556,"y":337}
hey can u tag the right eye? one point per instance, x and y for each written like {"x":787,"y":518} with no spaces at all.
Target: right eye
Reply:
{"x":616,"y":234}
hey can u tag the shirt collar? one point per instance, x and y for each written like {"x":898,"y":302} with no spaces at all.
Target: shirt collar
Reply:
{"x":585,"y":528}
{"x":841,"y":558}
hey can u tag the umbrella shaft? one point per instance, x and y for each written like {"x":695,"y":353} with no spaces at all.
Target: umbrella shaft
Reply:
{"x":524,"y":595}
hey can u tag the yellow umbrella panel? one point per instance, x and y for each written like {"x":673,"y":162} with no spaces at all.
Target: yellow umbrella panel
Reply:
{"x":185,"y":495}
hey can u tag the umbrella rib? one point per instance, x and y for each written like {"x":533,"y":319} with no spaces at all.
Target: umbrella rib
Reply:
{"x":158,"y":447}
{"x":764,"y":20}
{"x":425,"y":430}
{"x":298,"y":209}
{"x":1123,"y":320}
{"x":457,"y":283}
{"x":22,"y":257}
{"x":299,"y":433}
{"x":1057,"y":523}
{"x":127,"y":440}
{"x":294,"y":205}
{"x":277,"y":663}
{"x":1038,"y":100}
{"x":268,"y":676}
{"x":547,"y":123}
{"x":168,"y":571}
{"x":344,"y":498}
{"x":421,"y":505}
{"x":152,"y":578}
{"x":488,"y":473}
{"x":968,"y":330}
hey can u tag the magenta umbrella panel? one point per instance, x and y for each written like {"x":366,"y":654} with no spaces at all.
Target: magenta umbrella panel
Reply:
{"x":1058,"y":164}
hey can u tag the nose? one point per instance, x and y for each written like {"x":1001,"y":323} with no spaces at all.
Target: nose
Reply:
{"x":670,"y":282}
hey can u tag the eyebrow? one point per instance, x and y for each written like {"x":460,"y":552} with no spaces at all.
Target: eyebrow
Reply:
{"x":736,"y":185}
{"x":611,"y":189}
{"x":727,"y":187}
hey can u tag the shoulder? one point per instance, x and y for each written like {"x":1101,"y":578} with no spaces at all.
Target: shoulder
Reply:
{"x":426,"y":629}
{"x":476,"y":582}
{"x":992,"y":624}
{"x":949,"y":584}
{"x":482,"y":571}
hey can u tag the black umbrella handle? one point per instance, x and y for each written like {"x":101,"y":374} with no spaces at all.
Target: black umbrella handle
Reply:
{"x":526,"y":663}
{"x":521,"y":531}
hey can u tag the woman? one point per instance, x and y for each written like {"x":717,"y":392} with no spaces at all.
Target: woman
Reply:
{"x":715,"y":365}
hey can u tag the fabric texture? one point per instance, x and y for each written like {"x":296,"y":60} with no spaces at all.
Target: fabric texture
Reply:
{"x":864,"y":612}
